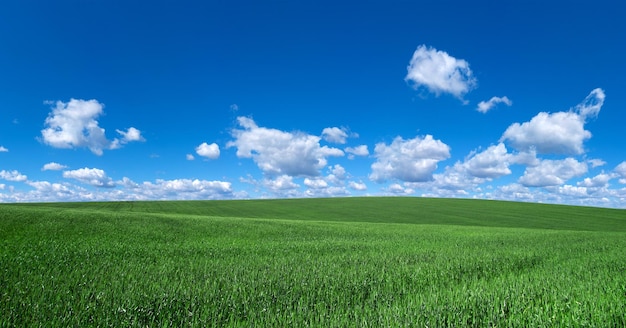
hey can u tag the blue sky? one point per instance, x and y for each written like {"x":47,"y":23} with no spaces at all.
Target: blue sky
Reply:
{"x":132,"y":100}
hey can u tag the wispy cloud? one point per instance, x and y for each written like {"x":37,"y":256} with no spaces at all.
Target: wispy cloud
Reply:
{"x":485,"y":106}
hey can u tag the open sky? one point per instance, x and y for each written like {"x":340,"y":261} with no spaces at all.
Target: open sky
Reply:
{"x":132,"y":100}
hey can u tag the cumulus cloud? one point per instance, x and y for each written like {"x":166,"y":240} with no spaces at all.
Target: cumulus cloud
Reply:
{"x":315,"y":183}
{"x":281,"y":185}
{"x":195,"y":186}
{"x":485,"y":106}
{"x":412,"y":160}
{"x":599,"y":181}
{"x":397,"y":189}
{"x":52,"y":166}
{"x":556,"y":133}
{"x":47,"y":187}
{"x":190,"y":157}
{"x":211,"y":151}
{"x":357,"y":151}
{"x":552,"y":172}
{"x":91,"y":176}
{"x":281,"y":153}
{"x":130,"y":135}
{"x":439,"y":72}
{"x":13,"y":176}
{"x":337,"y":172}
{"x":620,"y":170}
{"x":335,"y":135}
{"x":359,"y":186}
{"x":74,"y":125}
{"x":491,"y":163}
{"x":3,"y":150}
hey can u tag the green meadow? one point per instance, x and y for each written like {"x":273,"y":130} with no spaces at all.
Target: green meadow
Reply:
{"x":337,"y":262}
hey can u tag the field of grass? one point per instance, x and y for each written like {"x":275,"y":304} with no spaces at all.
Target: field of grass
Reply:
{"x":340,"y":262}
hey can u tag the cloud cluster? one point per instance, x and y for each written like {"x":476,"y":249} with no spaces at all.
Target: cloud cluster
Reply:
{"x":74,"y":125}
{"x":12,"y":176}
{"x":552,"y":172}
{"x":439,"y":72}
{"x":281,"y":153}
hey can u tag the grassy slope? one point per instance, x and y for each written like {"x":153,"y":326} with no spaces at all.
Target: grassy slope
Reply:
{"x":465,"y":212}
{"x":310,"y":262}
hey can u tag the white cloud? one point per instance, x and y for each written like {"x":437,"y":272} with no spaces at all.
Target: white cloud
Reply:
{"x":485,"y":106}
{"x":599,"y":181}
{"x":190,"y":157}
{"x":573,"y":191}
{"x":330,"y":191}
{"x":596,"y":162}
{"x":454,"y":181}
{"x":591,"y":105}
{"x":90,"y":176}
{"x":211,"y":151}
{"x":397,"y":189}
{"x":315,"y":183}
{"x":620,"y":170}
{"x":338,"y":172}
{"x":3,"y":150}
{"x":359,"y":186}
{"x":278,"y":153}
{"x":188,"y":186}
{"x":552,"y":172}
{"x":335,"y":135}
{"x":527,"y":158}
{"x":13,"y":176}
{"x":357,"y":151}
{"x":130,"y":135}
{"x":412,"y":160}
{"x":556,"y":133}
{"x":74,"y":125}
{"x":52,"y":166}
{"x":337,"y":175}
{"x":439,"y":72}
{"x":282,"y":186}
{"x":491,"y":163}
{"x":47,"y":187}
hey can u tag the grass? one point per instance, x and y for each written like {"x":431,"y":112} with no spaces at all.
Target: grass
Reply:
{"x":349,"y":262}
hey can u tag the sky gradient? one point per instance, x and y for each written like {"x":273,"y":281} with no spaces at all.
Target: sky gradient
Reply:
{"x":135,"y":100}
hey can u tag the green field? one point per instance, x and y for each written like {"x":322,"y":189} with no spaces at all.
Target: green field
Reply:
{"x":338,"y":262}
